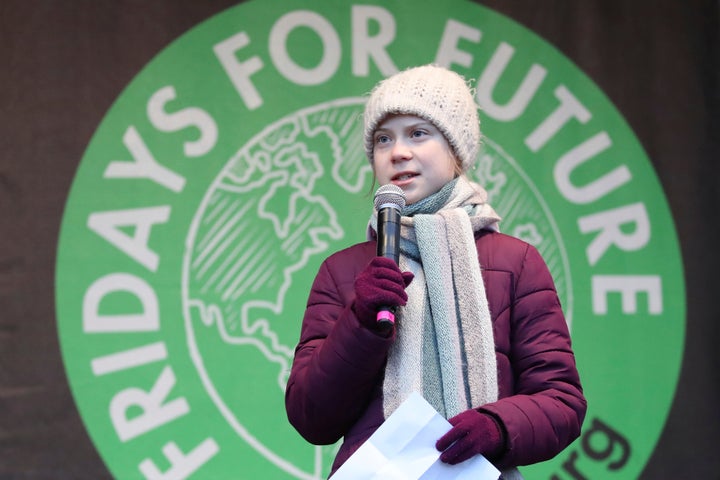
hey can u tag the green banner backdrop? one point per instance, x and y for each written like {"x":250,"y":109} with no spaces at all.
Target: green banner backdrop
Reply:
{"x":226,"y":164}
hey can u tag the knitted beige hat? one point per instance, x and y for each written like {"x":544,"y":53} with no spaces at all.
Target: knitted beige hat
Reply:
{"x":434,"y":93}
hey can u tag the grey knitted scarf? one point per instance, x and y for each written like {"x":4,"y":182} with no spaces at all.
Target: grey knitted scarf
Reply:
{"x":445,"y":348}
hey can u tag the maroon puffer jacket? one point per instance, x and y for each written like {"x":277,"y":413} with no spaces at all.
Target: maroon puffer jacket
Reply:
{"x":335,"y":385}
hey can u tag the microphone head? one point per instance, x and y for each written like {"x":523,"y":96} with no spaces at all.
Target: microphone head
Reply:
{"x":389,"y":195}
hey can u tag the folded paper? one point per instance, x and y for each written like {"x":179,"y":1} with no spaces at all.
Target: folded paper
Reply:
{"x":403,"y":448}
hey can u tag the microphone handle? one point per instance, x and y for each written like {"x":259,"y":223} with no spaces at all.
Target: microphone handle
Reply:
{"x":388,"y":243}
{"x":388,"y":246}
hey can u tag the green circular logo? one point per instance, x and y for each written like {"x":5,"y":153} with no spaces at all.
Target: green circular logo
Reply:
{"x":233,"y":164}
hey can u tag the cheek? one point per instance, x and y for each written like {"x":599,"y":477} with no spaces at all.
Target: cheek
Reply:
{"x":381,"y":163}
{"x":451,"y":168}
{"x":379,"y":173}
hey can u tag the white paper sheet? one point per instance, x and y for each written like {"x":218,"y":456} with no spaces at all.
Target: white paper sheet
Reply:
{"x":403,"y":448}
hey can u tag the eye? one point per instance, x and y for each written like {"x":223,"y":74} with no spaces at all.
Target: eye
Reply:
{"x":418,"y":133}
{"x":381,"y":138}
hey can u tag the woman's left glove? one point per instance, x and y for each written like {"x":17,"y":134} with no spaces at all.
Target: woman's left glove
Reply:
{"x":472,"y":433}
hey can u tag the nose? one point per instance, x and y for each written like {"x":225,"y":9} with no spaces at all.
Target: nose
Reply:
{"x":400,"y":152}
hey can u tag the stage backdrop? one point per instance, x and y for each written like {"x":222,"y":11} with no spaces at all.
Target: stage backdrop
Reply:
{"x":173,"y":173}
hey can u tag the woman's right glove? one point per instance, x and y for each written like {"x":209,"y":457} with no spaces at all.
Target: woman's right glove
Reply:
{"x":380,"y":284}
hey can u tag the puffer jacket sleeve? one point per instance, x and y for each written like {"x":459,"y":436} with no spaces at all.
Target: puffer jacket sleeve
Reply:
{"x":338,"y":363}
{"x":546,"y":411}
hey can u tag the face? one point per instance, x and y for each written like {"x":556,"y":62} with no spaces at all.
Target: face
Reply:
{"x":414,"y":155}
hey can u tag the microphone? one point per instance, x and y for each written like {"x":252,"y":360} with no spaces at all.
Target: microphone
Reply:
{"x":389,"y":200}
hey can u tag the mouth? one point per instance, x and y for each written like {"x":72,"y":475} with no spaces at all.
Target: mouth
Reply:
{"x":403,"y":176}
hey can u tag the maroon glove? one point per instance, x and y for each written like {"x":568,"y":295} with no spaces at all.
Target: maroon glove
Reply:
{"x":380,"y":284}
{"x":472,"y":433}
